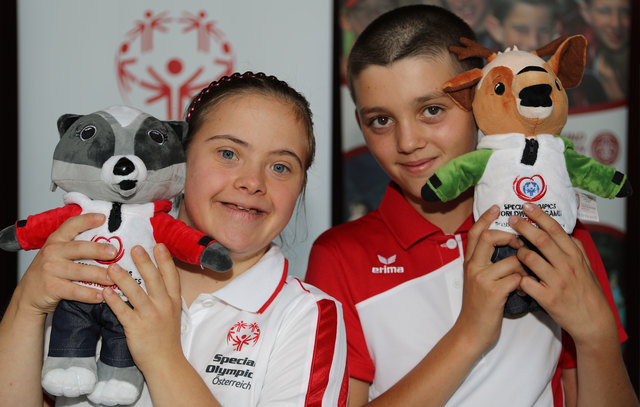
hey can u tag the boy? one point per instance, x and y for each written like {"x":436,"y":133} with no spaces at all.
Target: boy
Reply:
{"x":527,"y":24}
{"x":415,"y":336}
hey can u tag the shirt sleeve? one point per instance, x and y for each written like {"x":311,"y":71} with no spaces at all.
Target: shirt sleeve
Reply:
{"x":307,"y":366}
{"x":568,"y":356}
{"x":328,"y":270}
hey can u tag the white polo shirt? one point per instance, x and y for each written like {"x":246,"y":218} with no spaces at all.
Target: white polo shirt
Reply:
{"x":265,"y":339}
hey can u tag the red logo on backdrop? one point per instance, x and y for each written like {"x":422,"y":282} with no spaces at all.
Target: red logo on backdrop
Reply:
{"x":166,"y":59}
{"x":242,"y":334}
{"x":605,"y":148}
{"x":530,"y":189}
{"x":113,"y":241}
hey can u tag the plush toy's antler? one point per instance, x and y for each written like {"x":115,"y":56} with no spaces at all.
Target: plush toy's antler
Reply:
{"x":550,"y":48}
{"x":472,"y":49}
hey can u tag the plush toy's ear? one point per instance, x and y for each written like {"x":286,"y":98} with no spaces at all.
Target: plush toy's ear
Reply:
{"x":179,"y":126}
{"x":569,"y":60}
{"x":462,"y":88}
{"x":65,"y":121}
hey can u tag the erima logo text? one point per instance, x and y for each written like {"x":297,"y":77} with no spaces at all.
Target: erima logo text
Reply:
{"x":387,"y":267}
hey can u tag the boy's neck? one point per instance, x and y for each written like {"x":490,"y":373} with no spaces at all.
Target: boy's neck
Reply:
{"x":448,"y":216}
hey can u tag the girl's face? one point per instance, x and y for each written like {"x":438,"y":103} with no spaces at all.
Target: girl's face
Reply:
{"x":245,"y":170}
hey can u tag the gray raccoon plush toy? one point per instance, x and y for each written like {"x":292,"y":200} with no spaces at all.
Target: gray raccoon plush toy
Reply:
{"x":126,"y":164}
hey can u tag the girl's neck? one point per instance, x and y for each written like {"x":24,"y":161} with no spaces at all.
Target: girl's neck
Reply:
{"x":194,"y":280}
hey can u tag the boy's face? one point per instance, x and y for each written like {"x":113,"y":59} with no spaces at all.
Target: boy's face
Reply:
{"x":410,"y":125}
{"x":611,"y":21}
{"x":528,"y":27}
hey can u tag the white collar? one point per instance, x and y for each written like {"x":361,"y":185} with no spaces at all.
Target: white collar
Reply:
{"x":256,"y":288}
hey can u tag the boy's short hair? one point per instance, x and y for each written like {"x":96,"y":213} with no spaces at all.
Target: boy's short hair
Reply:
{"x":409,"y":31}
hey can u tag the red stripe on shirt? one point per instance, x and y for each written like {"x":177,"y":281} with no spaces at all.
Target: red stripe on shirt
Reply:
{"x":283,"y":279}
{"x":326,"y":331}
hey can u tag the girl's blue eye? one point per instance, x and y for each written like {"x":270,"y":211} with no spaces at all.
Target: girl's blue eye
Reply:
{"x":227,"y":154}
{"x":280,"y":168}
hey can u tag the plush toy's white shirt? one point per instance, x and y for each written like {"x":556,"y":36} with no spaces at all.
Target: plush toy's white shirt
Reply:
{"x":508,"y":183}
{"x":135,"y":229}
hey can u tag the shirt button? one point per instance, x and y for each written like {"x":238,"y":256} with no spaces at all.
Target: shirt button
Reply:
{"x":208,"y":303}
{"x":184,"y":328}
{"x":457,"y":283}
{"x":452,"y":244}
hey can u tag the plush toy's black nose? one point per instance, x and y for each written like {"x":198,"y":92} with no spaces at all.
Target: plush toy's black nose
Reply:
{"x":536,"y":96}
{"x":124,"y":166}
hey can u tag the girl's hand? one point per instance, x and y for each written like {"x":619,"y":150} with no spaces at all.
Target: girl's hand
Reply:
{"x":486,"y":284}
{"x":568,"y":290}
{"x":50,"y":276}
{"x":152,"y":326}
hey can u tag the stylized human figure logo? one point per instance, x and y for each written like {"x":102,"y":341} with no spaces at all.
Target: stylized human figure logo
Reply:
{"x":164,"y":61}
{"x":530,"y":189}
{"x":242,"y":334}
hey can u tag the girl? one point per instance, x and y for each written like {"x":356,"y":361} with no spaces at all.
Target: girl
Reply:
{"x":251,"y":336}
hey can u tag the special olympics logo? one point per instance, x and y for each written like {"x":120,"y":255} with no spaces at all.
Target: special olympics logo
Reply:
{"x":165,"y":60}
{"x":530,"y":189}
{"x":113,"y":241}
{"x":605,"y":148}
{"x":242,"y":334}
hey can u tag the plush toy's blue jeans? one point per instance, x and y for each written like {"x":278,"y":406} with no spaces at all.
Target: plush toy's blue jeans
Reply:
{"x":76,"y":328}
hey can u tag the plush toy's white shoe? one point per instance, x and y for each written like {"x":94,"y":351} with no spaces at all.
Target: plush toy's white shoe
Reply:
{"x":69,"y":377}
{"x":117,"y":385}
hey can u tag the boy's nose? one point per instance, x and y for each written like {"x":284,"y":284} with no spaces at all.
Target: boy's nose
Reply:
{"x":409,"y":138}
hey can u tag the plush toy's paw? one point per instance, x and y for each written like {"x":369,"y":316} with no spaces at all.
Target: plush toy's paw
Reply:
{"x":9,"y":239}
{"x":428,"y":190}
{"x":216,"y":257}
{"x":626,"y":189}
{"x":69,"y":377}
{"x":117,"y":385}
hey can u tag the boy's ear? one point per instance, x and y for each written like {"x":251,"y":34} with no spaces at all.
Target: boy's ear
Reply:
{"x":462,"y":88}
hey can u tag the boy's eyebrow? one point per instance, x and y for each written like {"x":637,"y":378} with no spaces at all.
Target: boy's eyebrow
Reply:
{"x":430,"y":96}
{"x":419,"y":100}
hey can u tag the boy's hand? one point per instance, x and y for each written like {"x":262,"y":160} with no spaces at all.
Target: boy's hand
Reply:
{"x":486,"y":284}
{"x":568,"y":290}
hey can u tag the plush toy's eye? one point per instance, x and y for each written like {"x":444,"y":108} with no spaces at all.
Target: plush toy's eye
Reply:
{"x":499,"y":88}
{"x":87,"y":132}
{"x":157,"y":136}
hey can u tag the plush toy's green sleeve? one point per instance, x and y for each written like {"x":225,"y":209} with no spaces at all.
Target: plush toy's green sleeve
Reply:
{"x":593,"y":176}
{"x":456,"y":176}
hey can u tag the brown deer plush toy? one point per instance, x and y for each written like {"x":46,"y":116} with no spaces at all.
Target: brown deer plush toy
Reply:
{"x":520,"y":105}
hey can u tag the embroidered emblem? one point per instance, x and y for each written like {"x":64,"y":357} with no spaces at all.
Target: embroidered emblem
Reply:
{"x":113,"y":241}
{"x":242,"y":333}
{"x":530,"y":189}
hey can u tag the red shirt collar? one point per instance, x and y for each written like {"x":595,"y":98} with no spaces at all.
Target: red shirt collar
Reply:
{"x":405,"y":223}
